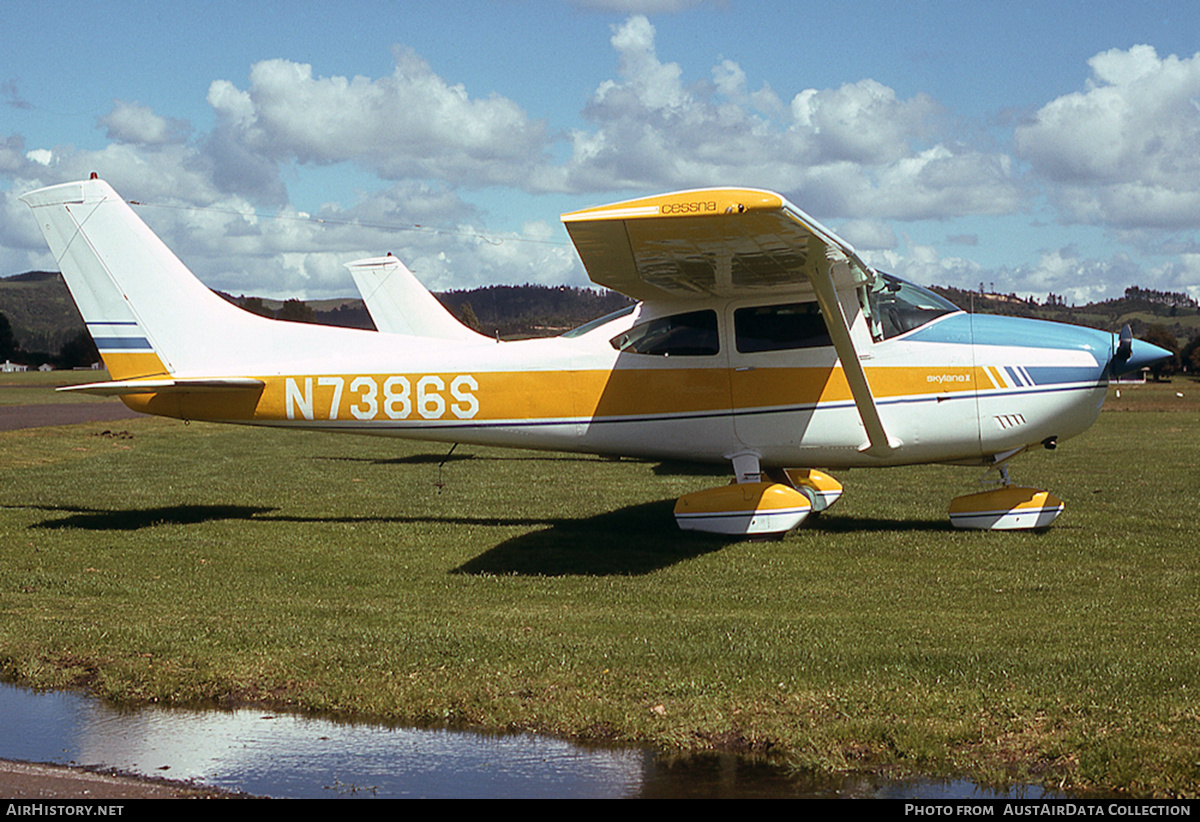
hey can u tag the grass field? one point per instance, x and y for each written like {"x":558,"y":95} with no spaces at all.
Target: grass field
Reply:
{"x":40,"y":387}
{"x":515,"y":590}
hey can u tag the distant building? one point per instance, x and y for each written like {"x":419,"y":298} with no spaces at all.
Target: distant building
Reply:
{"x":9,"y":367}
{"x":1133,"y":378}
{"x":45,"y":367}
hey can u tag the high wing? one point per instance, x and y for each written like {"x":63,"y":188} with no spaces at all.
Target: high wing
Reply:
{"x":730,"y":242}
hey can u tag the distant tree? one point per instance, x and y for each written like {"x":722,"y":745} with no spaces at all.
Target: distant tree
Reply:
{"x":78,"y":352}
{"x":296,"y":311}
{"x":349,"y":315}
{"x":1189,"y":357}
{"x":1160,"y":336}
{"x":8,"y":343}
{"x":255,"y":306}
{"x":1149,"y":295}
{"x":468,"y":318}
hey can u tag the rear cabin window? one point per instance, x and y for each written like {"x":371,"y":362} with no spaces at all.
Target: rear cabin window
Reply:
{"x":779,"y":328}
{"x":693,"y":334}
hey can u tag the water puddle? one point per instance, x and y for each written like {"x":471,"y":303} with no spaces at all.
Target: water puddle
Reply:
{"x":290,"y":756}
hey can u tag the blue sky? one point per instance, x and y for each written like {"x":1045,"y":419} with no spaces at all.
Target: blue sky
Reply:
{"x":1033,"y":147}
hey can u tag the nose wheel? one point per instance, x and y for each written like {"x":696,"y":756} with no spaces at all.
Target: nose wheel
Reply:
{"x":1005,"y":508}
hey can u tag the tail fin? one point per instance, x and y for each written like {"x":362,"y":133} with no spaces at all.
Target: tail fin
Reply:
{"x":149,"y":315}
{"x":399,"y":304}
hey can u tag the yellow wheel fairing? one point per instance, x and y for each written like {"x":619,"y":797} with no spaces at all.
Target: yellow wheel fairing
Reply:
{"x":1007,"y":508}
{"x":743,"y":508}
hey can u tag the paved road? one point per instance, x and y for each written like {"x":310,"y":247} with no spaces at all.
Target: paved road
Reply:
{"x":13,"y":417}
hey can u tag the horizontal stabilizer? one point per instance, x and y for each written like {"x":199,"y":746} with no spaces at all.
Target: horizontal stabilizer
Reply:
{"x":168,"y":386}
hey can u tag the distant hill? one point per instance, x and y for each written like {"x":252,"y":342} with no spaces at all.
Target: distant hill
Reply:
{"x":1176,"y":313}
{"x":44,"y":317}
{"x":40,"y":310}
{"x":512,"y":311}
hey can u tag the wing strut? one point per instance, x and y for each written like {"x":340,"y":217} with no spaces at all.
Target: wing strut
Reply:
{"x":825,"y":258}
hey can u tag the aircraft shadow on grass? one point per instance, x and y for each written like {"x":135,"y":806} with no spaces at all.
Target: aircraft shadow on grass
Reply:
{"x":133,"y":519}
{"x":630,"y":541}
{"x":438,"y":459}
{"x":634,"y":540}
{"x":641,"y":539}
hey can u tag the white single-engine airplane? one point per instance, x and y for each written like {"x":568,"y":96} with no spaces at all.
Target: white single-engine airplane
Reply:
{"x":761,"y":339}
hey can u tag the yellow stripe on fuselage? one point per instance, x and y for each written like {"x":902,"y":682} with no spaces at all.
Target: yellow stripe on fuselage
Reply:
{"x":486,"y":397}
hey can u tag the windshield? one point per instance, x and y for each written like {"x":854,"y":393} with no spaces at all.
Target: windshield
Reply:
{"x":898,"y":307}
{"x":599,"y":321}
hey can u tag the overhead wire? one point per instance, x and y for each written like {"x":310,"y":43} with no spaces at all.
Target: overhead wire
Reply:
{"x":491,"y":239}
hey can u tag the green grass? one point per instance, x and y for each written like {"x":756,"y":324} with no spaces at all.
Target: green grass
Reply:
{"x":40,"y":387}
{"x":218,"y":565}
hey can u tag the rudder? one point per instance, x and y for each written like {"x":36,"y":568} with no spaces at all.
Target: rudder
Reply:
{"x":130,"y":288}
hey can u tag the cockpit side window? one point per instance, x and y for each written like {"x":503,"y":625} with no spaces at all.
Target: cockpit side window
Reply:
{"x":779,"y":328}
{"x":897,"y":307}
{"x":693,"y":334}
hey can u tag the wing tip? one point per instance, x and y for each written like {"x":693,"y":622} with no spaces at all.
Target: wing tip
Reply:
{"x":699,"y":202}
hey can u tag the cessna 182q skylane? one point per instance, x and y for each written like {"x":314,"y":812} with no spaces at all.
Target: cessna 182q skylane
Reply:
{"x":761,"y":339}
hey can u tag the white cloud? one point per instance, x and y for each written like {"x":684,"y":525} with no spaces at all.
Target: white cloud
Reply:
{"x":412,"y":124}
{"x":1120,"y":152}
{"x":1064,"y":272}
{"x":862,"y":122}
{"x":136,"y":123}
{"x":923,"y":264}
{"x":289,"y":253}
{"x":856,"y":151}
{"x":867,"y":234}
{"x":1123,"y":152}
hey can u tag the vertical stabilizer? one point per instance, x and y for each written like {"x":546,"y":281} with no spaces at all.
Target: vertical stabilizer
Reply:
{"x":399,"y":304}
{"x":147,"y":312}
